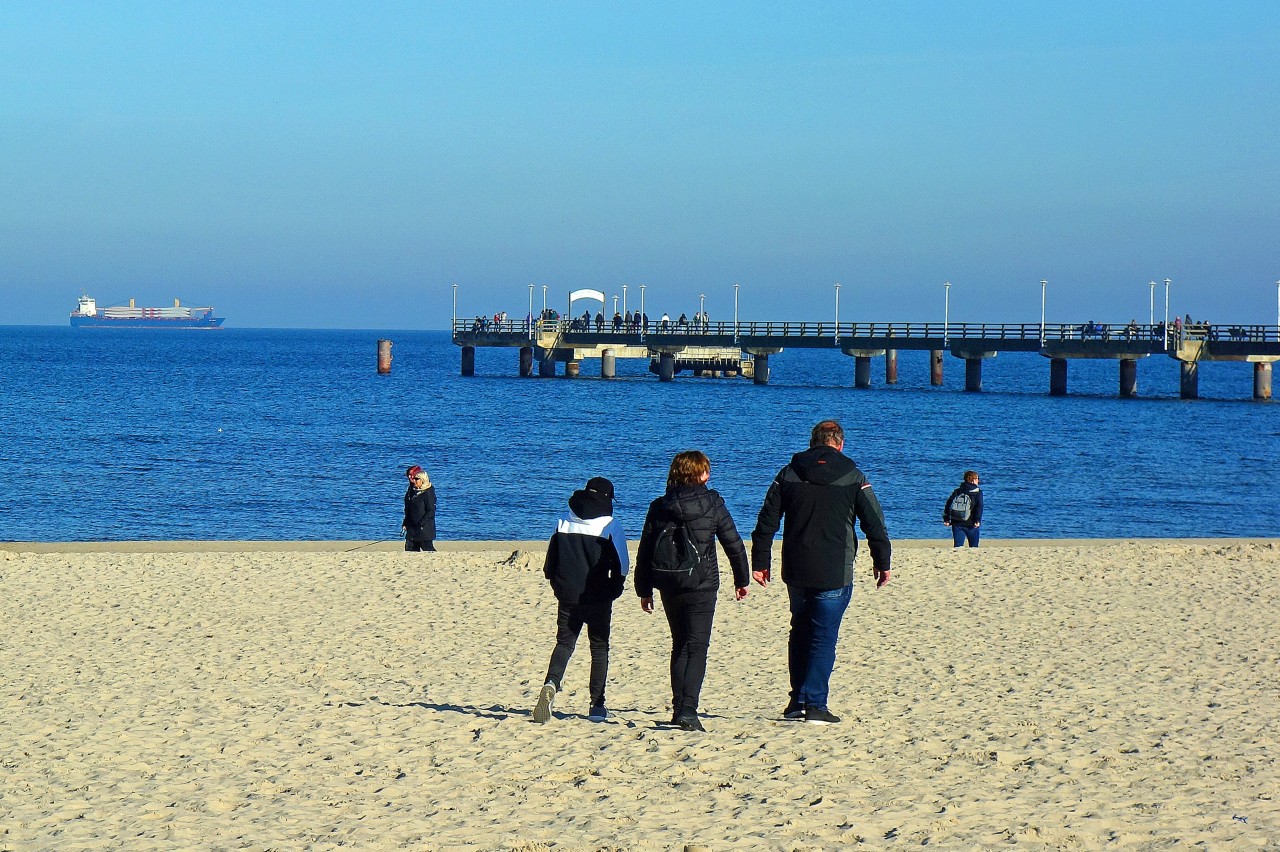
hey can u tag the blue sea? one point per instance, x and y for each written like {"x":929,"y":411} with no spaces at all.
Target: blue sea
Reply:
{"x":292,"y":434}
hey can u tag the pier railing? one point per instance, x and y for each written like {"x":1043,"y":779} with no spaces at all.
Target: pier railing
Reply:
{"x":848,"y":333}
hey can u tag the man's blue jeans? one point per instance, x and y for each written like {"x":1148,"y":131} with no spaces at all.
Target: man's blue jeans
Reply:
{"x":811,"y":651}
{"x":959,"y":535}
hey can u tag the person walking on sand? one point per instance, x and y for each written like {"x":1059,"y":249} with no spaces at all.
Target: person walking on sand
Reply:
{"x":820,"y":493}
{"x":677,"y":556}
{"x":419,"y":524}
{"x":963,"y":511}
{"x":587,"y":566}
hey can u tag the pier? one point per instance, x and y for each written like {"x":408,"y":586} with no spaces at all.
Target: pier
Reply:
{"x":744,"y":348}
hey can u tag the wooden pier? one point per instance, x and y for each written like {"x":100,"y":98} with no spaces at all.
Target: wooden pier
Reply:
{"x":744,"y":348}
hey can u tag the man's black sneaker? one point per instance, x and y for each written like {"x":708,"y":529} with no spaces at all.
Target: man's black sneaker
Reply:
{"x":598,"y":713}
{"x":689,"y":722}
{"x":794,"y":712}
{"x":820,"y":716}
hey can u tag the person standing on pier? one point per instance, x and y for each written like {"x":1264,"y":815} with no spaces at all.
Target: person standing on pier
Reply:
{"x":419,"y":524}
{"x":820,"y":493}
{"x":586,"y":565}
{"x":963,"y":511}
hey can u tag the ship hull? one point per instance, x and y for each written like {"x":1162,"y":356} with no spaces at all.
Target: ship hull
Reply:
{"x":206,"y":321}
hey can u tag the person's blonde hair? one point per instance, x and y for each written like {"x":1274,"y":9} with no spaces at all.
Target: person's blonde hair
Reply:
{"x":688,"y":467}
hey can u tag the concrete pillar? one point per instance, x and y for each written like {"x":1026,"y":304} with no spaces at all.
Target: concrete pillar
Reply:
{"x":547,"y":365}
{"x":666,"y":367}
{"x":1057,"y":377}
{"x":526,"y":361}
{"x":1128,"y":378}
{"x":935,"y":367}
{"x":862,"y":371}
{"x":384,"y":356}
{"x":608,"y":364}
{"x":973,"y":374}
{"x":571,"y":369}
{"x":1190,"y":381}
{"x":468,"y":360}
{"x":891,"y":366}
{"x":1261,"y":380}
{"x":762,"y":370}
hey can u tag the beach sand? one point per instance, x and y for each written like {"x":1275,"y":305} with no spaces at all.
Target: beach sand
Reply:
{"x":1036,"y":695}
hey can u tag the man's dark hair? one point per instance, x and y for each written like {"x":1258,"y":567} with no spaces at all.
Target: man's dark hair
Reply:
{"x":826,"y":434}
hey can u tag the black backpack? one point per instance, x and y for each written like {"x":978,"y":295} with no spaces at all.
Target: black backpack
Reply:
{"x":674,"y":558}
{"x":961,"y":507}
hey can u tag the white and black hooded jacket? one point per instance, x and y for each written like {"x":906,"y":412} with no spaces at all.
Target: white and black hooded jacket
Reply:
{"x":587,"y":556}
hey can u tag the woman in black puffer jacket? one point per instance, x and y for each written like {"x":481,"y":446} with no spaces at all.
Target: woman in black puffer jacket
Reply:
{"x":690,"y":603}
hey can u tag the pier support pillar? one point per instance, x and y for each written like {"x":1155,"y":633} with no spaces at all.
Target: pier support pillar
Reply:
{"x":384,"y":357}
{"x":666,"y":367}
{"x":547,"y":365}
{"x":973,"y":374}
{"x":1189,"y":386}
{"x":468,"y":360}
{"x":1057,"y":377}
{"x":761,"y":376}
{"x":572,"y":369}
{"x":862,"y":371}
{"x":891,"y":366}
{"x":526,"y":361}
{"x":1262,"y":380}
{"x":608,"y":364}
{"x":935,"y":367}
{"x":1128,"y":378}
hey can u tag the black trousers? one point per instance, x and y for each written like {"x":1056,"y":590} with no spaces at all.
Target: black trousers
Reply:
{"x":570,"y":618}
{"x":690,"y":615}
{"x":419,"y":545}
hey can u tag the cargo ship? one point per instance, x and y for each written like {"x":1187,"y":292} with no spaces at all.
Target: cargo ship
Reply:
{"x":88,"y":315}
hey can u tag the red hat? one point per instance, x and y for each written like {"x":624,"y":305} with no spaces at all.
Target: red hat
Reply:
{"x":413,"y":471}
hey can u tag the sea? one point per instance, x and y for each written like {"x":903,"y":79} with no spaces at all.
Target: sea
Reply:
{"x":275,"y":434}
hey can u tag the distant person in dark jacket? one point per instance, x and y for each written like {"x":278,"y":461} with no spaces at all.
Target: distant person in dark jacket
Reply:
{"x":586,"y":565}
{"x":963,"y":511}
{"x":820,"y":493}
{"x":419,"y":522}
{"x":691,"y":604}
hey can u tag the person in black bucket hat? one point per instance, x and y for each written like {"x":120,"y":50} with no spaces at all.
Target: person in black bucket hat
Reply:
{"x":587,"y":565}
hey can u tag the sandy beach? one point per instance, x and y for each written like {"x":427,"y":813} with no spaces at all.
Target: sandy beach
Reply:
{"x":1037,"y":695}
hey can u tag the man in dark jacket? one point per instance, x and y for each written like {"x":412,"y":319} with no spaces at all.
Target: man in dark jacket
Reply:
{"x":820,"y":493}
{"x":587,"y":565}
{"x":963,"y":511}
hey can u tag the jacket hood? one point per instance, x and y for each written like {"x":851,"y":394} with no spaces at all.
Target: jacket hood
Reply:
{"x":686,"y":502}
{"x":821,"y":465}
{"x":590,"y":504}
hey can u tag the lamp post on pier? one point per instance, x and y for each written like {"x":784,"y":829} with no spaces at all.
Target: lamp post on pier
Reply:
{"x":946,"y":313}
{"x":702,"y":317}
{"x":1278,"y":310}
{"x":1152,"y":312}
{"x":643,"y":322}
{"x":544,"y":300}
{"x":1043,"y":284}
{"x":735,"y":313}
{"x":531,"y":312}
{"x":615,"y":303}
{"x":1167,"y":282}
{"x":455,"y":309}
{"x":624,"y":298}
{"x":837,"y":313}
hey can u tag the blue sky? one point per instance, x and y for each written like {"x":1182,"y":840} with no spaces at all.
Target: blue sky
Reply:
{"x":342,"y":165}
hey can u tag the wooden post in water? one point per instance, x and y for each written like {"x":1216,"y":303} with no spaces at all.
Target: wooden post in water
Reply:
{"x":862,"y":371}
{"x":1262,"y":380}
{"x":1057,"y":377}
{"x":973,"y":374}
{"x":547,"y":364}
{"x":666,"y":367}
{"x":891,"y":366}
{"x":526,"y":361}
{"x":608,"y":364}
{"x":1128,"y":378}
{"x":761,"y":376}
{"x":468,"y":360}
{"x":384,"y":357}
{"x":935,"y":367}
{"x":571,"y":369}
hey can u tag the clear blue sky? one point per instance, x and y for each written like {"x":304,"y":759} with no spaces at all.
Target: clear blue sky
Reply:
{"x":320,"y":164}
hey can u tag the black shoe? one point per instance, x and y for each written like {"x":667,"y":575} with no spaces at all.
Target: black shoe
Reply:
{"x":689,"y":722}
{"x":794,"y":712}
{"x":820,"y":716}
